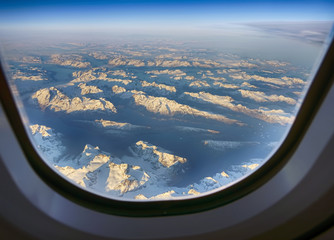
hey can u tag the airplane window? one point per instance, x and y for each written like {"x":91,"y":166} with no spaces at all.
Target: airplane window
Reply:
{"x":148,"y":101}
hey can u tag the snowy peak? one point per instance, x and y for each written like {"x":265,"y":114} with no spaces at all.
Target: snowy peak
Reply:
{"x":124,"y":178}
{"x":165,"y":106}
{"x":152,"y":152}
{"x":88,"y":89}
{"x":270,"y":116}
{"x":57,"y":101}
{"x":43,"y":130}
{"x":144,"y":176}
{"x":108,"y":124}
{"x":47,"y":141}
{"x":91,"y":154}
{"x":96,"y":169}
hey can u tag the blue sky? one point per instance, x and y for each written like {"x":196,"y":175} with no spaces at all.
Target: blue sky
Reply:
{"x":72,"y":14}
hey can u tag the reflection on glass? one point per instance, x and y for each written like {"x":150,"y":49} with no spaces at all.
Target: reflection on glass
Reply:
{"x":147,"y":102}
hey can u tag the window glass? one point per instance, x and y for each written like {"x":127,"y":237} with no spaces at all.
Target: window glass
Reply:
{"x":160,"y":100}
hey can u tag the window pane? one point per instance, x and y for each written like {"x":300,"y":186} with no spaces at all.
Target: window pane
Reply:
{"x":160,"y":100}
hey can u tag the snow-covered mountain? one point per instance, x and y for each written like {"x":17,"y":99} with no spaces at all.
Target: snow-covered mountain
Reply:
{"x":57,"y":101}
{"x":47,"y":142}
{"x":144,"y":175}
